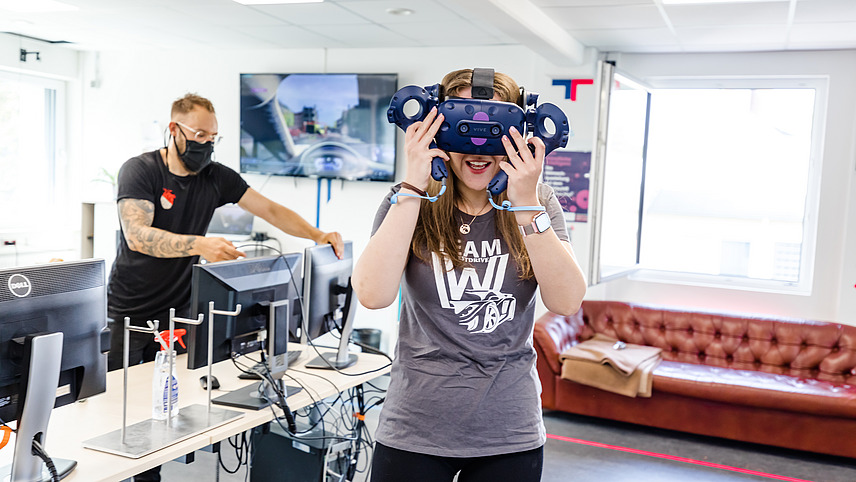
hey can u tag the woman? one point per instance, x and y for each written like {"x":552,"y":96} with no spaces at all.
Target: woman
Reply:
{"x":464,"y":393}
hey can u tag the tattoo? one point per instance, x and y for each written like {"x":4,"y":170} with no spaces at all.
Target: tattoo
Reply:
{"x":136,"y":217}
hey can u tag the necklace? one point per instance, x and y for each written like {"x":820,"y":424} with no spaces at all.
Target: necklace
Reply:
{"x":465,"y":227}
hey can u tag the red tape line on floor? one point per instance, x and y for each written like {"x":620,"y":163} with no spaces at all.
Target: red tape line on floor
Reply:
{"x":674,"y":458}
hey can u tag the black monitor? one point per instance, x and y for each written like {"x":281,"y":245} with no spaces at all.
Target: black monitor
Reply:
{"x":328,"y":301}
{"x":266,"y":290}
{"x":53,"y":324}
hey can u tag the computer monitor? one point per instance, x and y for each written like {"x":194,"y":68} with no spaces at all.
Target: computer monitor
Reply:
{"x":328,"y":301}
{"x":230,"y":221}
{"x":53,"y":339}
{"x":266,"y":289}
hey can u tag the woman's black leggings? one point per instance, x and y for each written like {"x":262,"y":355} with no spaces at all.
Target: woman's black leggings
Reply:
{"x":393,"y":465}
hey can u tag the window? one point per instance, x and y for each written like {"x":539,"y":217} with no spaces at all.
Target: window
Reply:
{"x":728,"y":189}
{"x":33,"y":192}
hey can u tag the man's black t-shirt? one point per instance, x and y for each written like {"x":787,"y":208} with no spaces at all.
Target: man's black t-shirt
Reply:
{"x":141,"y":285}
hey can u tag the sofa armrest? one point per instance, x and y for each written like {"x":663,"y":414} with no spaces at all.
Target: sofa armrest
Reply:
{"x":555,"y":334}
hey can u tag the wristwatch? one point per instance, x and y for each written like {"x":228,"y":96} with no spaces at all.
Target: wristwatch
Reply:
{"x":540,"y":223}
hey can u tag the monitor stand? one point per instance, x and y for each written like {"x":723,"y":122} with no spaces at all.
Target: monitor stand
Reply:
{"x":253,"y":374}
{"x":332,"y":361}
{"x":43,"y":357}
{"x":254,"y":397}
{"x":341,"y":359}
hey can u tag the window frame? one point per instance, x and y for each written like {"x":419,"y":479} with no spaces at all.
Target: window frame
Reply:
{"x":820,"y":84}
{"x":56,"y":134}
{"x":607,"y":81}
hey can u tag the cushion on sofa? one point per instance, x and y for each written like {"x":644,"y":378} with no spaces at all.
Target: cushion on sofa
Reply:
{"x":756,"y":389}
{"x":797,"y":348}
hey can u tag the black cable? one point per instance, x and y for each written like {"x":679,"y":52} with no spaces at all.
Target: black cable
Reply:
{"x":39,"y":452}
{"x":249,"y":456}
{"x":4,"y":424}
{"x":371,"y":349}
{"x":304,"y":322}
{"x":289,"y":417}
{"x":292,"y":427}
{"x":242,"y":451}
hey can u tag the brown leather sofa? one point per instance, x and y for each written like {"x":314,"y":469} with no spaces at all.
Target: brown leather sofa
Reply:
{"x":776,"y":381}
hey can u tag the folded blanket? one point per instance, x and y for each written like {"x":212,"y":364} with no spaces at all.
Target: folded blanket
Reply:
{"x":611,"y":365}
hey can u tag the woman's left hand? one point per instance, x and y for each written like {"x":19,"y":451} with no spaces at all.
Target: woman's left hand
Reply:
{"x":523,"y":169}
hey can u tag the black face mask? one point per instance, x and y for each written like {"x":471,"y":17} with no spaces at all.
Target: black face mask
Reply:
{"x":196,"y":156}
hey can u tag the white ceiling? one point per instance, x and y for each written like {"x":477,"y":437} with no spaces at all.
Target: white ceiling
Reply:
{"x":557,"y":28}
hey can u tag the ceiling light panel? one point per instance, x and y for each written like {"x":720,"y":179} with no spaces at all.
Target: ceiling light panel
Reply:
{"x":36,"y":6}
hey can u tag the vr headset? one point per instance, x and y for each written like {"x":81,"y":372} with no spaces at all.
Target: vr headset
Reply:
{"x":476,"y":126}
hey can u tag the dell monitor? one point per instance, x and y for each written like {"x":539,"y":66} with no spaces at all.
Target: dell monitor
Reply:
{"x":265,"y":288}
{"x":53,"y":325}
{"x":328,"y":301}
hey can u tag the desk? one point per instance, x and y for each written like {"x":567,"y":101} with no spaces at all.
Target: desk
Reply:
{"x":72,"y":424}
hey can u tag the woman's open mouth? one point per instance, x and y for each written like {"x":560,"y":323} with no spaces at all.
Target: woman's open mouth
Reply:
{"x":478,"y":166}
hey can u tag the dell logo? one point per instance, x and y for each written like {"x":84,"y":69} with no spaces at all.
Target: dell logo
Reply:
{"x":19,"y":285}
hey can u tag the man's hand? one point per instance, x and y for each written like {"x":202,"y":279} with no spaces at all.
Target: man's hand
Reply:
{"x":334,"y":239}
{"x":216,"y":249}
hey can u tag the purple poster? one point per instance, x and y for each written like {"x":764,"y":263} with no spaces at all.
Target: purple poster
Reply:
{"x":568,"y":174}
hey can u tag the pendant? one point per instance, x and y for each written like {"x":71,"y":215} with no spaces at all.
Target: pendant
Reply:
{"x":464,"y":229}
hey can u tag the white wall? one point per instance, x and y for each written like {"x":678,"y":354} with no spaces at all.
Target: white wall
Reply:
{"x":134,"y":91}
{"x":124,"y":94}
{"x":832,"y":296}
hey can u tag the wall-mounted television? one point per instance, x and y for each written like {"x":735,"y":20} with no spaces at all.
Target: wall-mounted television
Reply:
{"x":318,"y":125}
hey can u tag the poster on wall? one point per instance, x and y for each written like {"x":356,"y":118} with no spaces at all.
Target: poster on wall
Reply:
{"x":567,"y":172}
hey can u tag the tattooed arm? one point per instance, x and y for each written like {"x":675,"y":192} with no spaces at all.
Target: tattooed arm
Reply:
{"x":136,"y":216}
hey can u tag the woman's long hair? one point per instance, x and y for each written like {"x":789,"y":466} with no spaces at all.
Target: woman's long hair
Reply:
{"x":437,"y":227}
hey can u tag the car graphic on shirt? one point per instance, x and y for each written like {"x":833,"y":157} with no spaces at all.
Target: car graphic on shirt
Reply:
{"x":485,"y":314}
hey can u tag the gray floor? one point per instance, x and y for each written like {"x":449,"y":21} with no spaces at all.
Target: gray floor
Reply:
{"x":569,"y":461}
{"x":581,"y":463}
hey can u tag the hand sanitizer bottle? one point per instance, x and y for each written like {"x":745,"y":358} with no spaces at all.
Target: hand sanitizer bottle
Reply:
{"x":164,"y":383}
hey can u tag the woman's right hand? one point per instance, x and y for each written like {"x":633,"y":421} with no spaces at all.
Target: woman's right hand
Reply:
{"x":418,"y":153}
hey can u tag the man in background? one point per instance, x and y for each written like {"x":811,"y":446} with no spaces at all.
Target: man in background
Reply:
{"x":166,"y":199}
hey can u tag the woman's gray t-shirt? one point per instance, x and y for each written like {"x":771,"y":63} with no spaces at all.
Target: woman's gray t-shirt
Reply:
{"x":464,"y":383}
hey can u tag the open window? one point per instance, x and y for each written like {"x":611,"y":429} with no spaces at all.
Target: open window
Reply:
{"x":34,"y":191}
{"x":618,"y":174}
{"x":708,"y":181}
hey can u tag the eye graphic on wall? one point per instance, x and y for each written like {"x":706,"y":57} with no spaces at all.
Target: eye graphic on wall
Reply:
{"x":581,"y":199}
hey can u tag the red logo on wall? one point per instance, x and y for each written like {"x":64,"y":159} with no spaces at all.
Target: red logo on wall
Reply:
{"x":570,"y":86}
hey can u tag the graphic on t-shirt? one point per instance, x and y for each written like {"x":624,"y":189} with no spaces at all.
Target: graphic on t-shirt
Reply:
{"x":167,"y":198}
{"x":479,"y":302}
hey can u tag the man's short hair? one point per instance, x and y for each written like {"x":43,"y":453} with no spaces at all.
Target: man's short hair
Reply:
{"x":188,"y":102}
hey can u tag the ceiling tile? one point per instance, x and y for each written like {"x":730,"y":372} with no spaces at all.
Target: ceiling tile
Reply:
{"x":231,"y":14}
{"x":449,"y":32}
{"x":766,"y":13}
{"x":369,"y":35}
{"x":732,"y":36}
{"x":376,"y":11}
{"x":326,"y":13}
{"x":290,"y":37}
{"x":825,"y":11}
{"x":624,"y":38}
{"x":589,"y":3}
{"x":630,"y":16}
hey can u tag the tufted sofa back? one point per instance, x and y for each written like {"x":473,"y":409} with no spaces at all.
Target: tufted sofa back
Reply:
{"x":799,"y":348}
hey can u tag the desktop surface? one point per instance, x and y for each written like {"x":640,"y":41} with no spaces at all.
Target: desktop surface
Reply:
{"x":71,"y":425}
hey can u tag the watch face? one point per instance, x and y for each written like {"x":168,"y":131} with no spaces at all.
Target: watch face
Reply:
{"x":542,"y":222}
